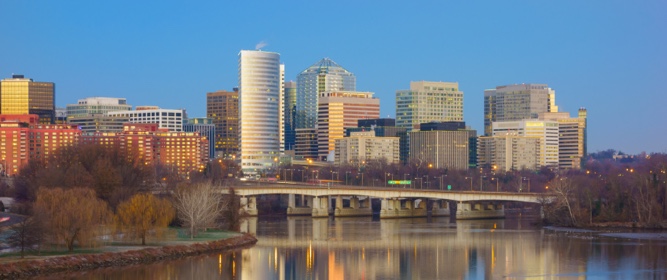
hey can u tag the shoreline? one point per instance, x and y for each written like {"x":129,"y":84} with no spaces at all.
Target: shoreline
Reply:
{"x":31,"y":268}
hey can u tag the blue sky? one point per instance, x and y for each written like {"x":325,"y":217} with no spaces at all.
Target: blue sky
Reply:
{"x":607,"y":56}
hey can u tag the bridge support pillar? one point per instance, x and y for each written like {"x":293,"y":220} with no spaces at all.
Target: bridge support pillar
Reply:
{"x":249,"y":225}
{"x":293,"y":210}
{"x":354,"y":210}
{"x":469,"y":211}
{"x":395,"y":208}
{"x":440,"y":208}
{"x":249,"y":205}
{"x":320,"y":207}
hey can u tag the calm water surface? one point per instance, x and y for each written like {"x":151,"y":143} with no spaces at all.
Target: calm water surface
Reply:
{"x":363,"y":248}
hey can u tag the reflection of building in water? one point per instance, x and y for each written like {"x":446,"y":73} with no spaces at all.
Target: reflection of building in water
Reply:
{"x":356,"y":248}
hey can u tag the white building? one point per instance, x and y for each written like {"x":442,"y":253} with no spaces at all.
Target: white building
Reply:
{"x":509,"y":151}
{"x":260,"y":87}
{"x":547,"y":131}
{"x":171,"y":119}
{"x":97,"y":105}
{"x":363,"y":145}
{"x":428,"y":102}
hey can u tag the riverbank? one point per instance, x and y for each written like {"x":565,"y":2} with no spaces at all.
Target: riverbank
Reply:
{"x":29,"y":268}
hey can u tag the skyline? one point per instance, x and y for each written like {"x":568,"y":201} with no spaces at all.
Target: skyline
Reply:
{"x":154,"y":54}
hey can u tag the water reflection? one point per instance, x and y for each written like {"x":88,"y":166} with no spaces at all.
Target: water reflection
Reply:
{"x":359,"y":248}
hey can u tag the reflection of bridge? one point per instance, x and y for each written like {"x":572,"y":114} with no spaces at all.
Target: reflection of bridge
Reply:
{"x":396,"y":202}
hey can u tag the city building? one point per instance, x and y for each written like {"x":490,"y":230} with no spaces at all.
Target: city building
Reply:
{"x":339,"y":110}
{"x":22,"y":96}
{"x":99,"y":123}
{"x":517,"y":102}
{"x":222,"y":107}
{"x":571,"y":137}
{"x":323,"y":76}
{"x":289,"y":115}
{"x":23,"y":138}
{"x":546,"y":131}
{"x":97,"y":105}
{"x":449,"y":149}
{"x":305,"y":145}
{"x":384,"y":127}
{"x":428,"y":102}
{"x":509,"y":151}
{"x":61,"y":116}
{"x":260,"y":87}
{"x":205,"y":128}
{"x":363,"y":146}
{"x":170,"y":119}
{"x":281,"y":109}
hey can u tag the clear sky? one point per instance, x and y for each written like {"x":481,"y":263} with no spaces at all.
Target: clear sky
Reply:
{"x":607,"y":56}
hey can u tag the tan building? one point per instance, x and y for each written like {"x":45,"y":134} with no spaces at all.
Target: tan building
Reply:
{"x":363,"y":146}
{"x":21,"y":96}
{"x":508,"y":152}
{"x":571,"y":137}
{"x":223,"y":108}
{"x":441,"y":148}
{"x":428,"y":102}
{"x":517,"y":102}
{"x":546,"y":131}
{"x":340,"y":110}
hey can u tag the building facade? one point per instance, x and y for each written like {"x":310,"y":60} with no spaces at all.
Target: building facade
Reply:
{"x":22,"y":96}
{"x":363,"y":146}
{"x":385,"y":127}
{"x":170,"y":119}
{"x":428,"y":102}
{"x":99,"y":123}
{"x":205,"y":128}
{"x":339,"y":110}
{"x":305,"y":145}
{"x":507,"y":152}
{"x":259,"y":110}
{"x":517,"y":102}
{"x":23,"y":138}
{"x":97,"y":105}
{"x":571,"y":137}
{"x":323,"y":76}
{"x":289,"y":115}
{"x":546,"y":131}
{"x":222,"y":107}
{"x":441,"y":148}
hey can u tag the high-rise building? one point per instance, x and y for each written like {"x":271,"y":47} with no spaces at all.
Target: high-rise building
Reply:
{"x":547,"y":131}
{"x":281,"y":108}
{"x":363,"y":146}
{"x":517,"y":102}
{"x":23,"y":138}
{"x":259,"y":110}
{"x":339,"y":110}
{"x":22,"y":96}
{"x":223,"y":108}
{"x":323,"y":76}
{"x":571,"y":137}
{"x":171,"y":119}
{"x":205,"y":128}
{"x":305,"y":144}
{"x":289,"y":114}
{"x":428,"y":102}
{"x":509,"y":151}
{"x":61,"y":116}
{"x":97,"y":105}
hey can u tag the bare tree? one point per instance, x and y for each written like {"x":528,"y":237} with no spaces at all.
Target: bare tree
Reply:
{"x":198,"y":206}
{"x":564,"y":190}
{"x":26,"y":234}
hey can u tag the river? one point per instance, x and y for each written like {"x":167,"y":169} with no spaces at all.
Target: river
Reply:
{"x":419,"y":248}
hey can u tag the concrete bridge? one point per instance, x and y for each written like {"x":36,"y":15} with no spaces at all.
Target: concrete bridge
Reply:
{"x":396,"y":202}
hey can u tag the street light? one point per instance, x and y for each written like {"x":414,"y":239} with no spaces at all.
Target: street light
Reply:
{"x":481,"y":181}
{"x":524,"y":179}
{"x":346,"y":172}
{"x":496,"y":179}
{"x":470,"y":182}
{"x":421,"y":183}
{"x":303,"y":179}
